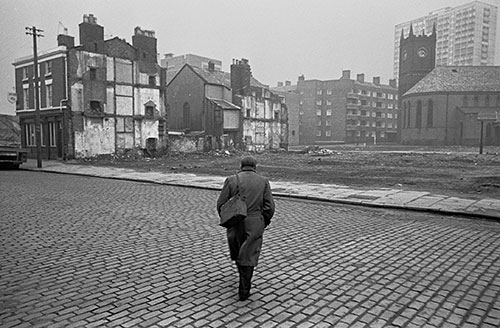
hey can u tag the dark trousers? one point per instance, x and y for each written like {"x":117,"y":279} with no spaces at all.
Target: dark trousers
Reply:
{"x":246,"y":273}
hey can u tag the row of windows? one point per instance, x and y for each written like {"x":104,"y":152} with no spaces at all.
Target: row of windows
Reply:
{"x":48,"y":97}
{"x":475,"y":101}
{"x":417,"y":123}
{"x":378,"y":124}
{"x":30,"y":134}
{"x":363,"y":92}
{"x":372,"y":114}
{"x":45,"y":66}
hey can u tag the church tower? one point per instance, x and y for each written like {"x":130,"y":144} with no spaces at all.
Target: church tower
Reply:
{"x":417,"y":57}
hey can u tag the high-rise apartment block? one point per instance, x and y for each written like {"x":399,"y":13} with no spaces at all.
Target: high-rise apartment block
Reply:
{"x":467,"y":35}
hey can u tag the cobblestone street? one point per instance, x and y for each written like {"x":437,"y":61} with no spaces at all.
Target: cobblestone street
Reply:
{"x":89,"y":252}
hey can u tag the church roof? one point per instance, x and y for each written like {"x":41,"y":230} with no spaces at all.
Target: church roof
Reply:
{"x":459,"y":79}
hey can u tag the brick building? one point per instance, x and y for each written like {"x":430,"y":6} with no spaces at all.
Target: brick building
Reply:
{"x":100,"y":97}
{"x":347,"y":110}
{"x":226,"y":109}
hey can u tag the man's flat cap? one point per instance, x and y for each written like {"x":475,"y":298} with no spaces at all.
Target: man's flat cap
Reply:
{"x":248,"y":161}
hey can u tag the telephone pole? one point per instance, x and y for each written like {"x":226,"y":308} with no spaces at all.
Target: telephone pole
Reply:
{"x":36,"y":34}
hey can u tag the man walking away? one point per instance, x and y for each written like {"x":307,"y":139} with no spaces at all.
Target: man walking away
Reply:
{"x":245,"y":238}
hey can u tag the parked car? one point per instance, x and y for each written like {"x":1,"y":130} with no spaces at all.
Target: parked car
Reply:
{"x":11,"y":153}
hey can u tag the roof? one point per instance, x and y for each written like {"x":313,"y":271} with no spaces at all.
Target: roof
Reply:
{"x":215,"y":77}
{"x":224,"y":104}
{"x":459,"y":79}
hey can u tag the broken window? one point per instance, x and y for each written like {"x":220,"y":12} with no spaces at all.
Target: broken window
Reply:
{"x":152,"y":80}
{"x":276,"y":115}
{"x":149,"y":111}
{"x":92,"y":73}
{"x":95,"y":106}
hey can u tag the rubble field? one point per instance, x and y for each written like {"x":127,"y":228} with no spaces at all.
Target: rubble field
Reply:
{"x":452,"y":171}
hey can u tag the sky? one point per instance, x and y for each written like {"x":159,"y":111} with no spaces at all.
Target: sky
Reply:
{"x":282,"y":39}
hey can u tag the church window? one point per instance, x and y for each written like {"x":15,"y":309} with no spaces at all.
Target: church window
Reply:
{"x":487,"y":101}
{"x":430,"y":113}
{"x":418,"y":119}
{"x":476,"y":100}
{"x":408,"y":115}
{"x":465,"y":101}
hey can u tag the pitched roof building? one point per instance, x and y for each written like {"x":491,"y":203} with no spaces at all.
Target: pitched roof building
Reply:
{"x":453,"y":105}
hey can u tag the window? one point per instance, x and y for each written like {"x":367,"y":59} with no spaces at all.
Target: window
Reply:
{"x":25,"y":73}
{"x":389,"y":115}
{"x":329,"y":112}
{"x":364,"y":102}
{"x":328,"y":123}
{"x":363,"y":112}
{"x":42,"y":136}
{"x":186,"y":116}
{"x":328,"y":92}
{"x":48,"y":94}
{"x":52,"y":133}
{"x":390,"y":106}
{"x":30,"y":135}
{"x":217,"y":116}
{"x":328,"y":133}
{"x":95,"y":106}
{"x":152,"y":80}
{"x":476,"y":100}
{"x":378,"y":104}
{"x":318,"y":102}
{"x":379,"y":95}
{"x":390,"y":96}
{"x":318,"y":112}
{"x":92,"y":73}
{"x":248,"y":112}
{"x":418,"y":119}
{"x":487,"y":101}
{"x":318,"y":123}
{"x":319,"y":92}
{"x":329,"y":102}
{"x":276,"y":115}
{"x":465,"y":101}
{"x":430,"y":113}
{"x":318,"y":133}
{"x":149,"y":111}
{"x":48,"y":68}
{"x":26,"y":99}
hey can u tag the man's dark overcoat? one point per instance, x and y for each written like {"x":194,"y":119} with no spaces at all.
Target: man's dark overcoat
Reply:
{"x":245,"y":239}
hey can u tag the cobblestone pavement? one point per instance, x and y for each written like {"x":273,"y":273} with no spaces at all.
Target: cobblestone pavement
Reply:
{"x":90,"y":252}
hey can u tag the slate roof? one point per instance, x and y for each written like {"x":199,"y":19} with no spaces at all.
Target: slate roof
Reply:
{"x":459,"y":79}
{"x":215,"y":77}
{"x":224,"y":104}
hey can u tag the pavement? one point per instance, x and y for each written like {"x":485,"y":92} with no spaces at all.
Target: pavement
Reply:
{"x":381,"y":197}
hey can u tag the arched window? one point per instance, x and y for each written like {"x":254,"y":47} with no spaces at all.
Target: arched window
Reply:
{"x":476,"y":100}
{"x":465,"y":101}
{"x":408,"y":121}
{"x":186,"y":116}
{"x":418,"y":114}
{"x":430,"y":113}
{"x":487,"y":101}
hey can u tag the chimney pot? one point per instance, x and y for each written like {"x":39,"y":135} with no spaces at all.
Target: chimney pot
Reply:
{"x":360,"y":78}
{"x":376,"y":80}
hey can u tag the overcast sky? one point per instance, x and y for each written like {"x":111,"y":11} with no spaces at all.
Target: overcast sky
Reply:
{"x":282,"y":39}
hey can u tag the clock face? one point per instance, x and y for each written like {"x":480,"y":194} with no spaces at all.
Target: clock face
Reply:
{"x":422,"y":52}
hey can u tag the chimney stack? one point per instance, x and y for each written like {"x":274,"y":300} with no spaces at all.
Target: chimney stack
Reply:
{"x":145,"y":42}
{"x":241,"y":75}
{"x":288,"y":83}
{"x":360,"y":78}
{"x":91,"y":34}
{"x":66,"y":40}
{"x":346,"y":74}
{"x":376,"y":80}
{"x":280,"y":84}
{"x":392,"y":83}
